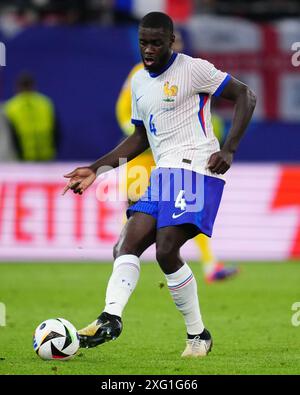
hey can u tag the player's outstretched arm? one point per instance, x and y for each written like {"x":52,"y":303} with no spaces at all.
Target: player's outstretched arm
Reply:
{"x":82,"y":177}
{"x":245,"y":101}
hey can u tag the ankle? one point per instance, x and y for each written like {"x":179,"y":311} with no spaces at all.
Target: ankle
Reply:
{"x":204,"y":335}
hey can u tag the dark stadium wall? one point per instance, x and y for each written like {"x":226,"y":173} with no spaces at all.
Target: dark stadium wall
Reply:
{"x":83,"y":68}
{"x":267,"y":141}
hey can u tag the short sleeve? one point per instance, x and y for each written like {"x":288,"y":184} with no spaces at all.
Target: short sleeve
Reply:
{"x":135,"y":117}
{"x":206,"y":78}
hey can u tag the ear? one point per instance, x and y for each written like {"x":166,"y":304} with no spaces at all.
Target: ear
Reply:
{"x":172,"y":39}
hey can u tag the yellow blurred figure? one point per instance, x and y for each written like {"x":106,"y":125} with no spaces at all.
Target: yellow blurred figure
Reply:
{"x":139,"y":169}
{"x":144,"y":161}
{"x":32,"y":120}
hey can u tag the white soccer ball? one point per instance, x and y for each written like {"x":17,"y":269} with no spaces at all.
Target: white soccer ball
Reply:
{"x":57,"y":339}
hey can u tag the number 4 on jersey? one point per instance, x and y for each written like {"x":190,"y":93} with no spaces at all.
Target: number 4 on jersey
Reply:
{"x":151,"y":125}
{"x":180,"y":200}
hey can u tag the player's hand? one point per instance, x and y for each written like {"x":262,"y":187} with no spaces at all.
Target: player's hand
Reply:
{"x":220,"y":162}
{"x":80,"y":179}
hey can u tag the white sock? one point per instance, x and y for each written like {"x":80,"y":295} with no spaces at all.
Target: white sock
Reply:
{"x":122,"y":283}
{"x":183,"y":288}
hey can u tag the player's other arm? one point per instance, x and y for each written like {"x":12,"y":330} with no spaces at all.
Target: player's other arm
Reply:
{"x":245,"y":101}
{"x":82,"y":177}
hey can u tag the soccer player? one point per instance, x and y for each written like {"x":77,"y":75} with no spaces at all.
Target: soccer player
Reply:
{"x":214,"y":270}
{"x":170,"y":110}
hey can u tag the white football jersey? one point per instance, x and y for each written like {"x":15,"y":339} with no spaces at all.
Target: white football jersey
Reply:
{"x":174,"y":107}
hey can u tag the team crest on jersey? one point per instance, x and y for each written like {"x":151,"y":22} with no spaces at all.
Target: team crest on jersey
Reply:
{"x":170,"y":92}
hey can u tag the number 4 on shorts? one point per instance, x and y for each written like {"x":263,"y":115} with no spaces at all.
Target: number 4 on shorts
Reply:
{"x":180,"y":200}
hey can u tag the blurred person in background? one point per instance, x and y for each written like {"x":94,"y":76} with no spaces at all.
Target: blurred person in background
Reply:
{"x":32,"y":121}
{"x":214,"y":270}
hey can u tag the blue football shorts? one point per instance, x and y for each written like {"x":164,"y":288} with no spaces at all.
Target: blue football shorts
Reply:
{"x":181,"y":196}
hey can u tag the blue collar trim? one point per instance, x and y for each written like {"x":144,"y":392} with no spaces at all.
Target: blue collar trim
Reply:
{"x":169,"y":64}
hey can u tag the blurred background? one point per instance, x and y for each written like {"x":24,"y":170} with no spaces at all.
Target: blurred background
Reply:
{"x":63,"y":65}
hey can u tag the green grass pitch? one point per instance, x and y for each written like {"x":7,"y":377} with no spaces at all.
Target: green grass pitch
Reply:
{"x":249,"y":317}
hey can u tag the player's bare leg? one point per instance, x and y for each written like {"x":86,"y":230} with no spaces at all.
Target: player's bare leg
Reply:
{"x":137,"y":235}
{"x":183,"y":286}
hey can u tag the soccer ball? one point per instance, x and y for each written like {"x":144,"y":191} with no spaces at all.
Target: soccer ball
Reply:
{"x":57,"y":339}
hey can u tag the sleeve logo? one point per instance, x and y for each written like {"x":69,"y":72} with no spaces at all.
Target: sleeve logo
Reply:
{"x":213,"y":72}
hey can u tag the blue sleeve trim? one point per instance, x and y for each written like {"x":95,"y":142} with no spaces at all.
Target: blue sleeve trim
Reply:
{"x":137,"y":122}
{"x":222,"y":86}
